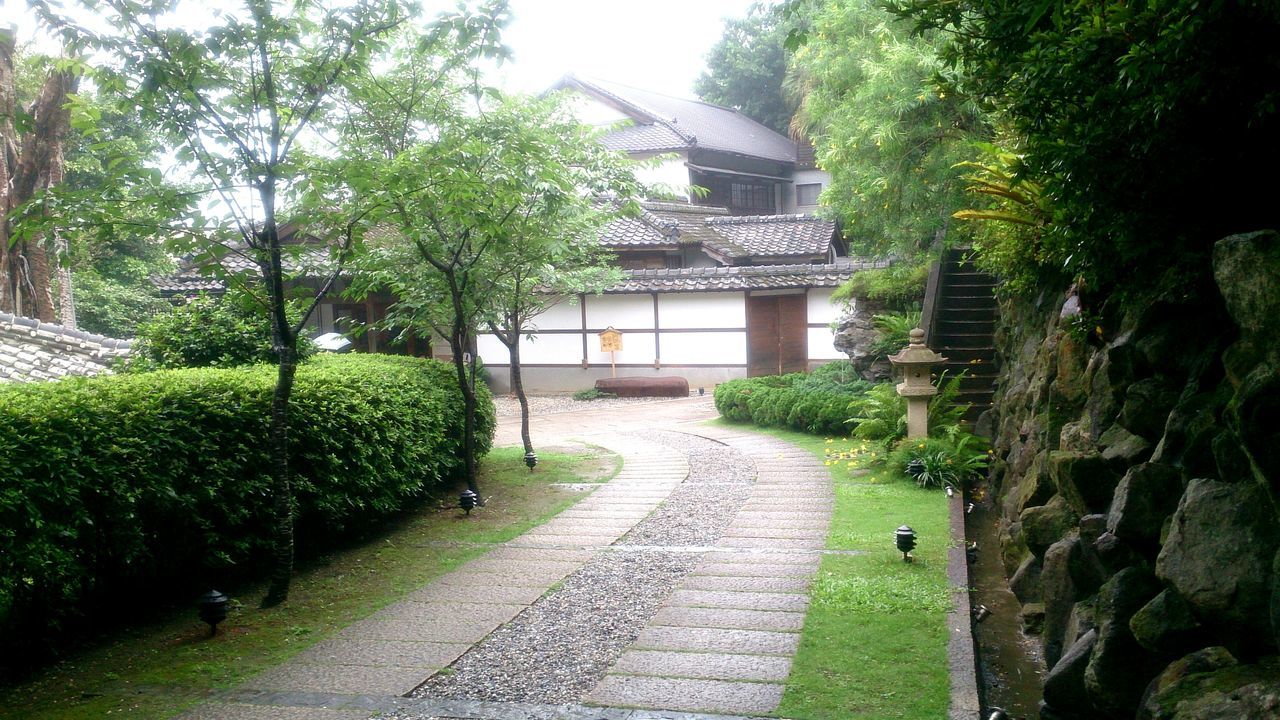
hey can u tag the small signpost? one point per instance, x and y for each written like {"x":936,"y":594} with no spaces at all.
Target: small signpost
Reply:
{"x":611,"y":342}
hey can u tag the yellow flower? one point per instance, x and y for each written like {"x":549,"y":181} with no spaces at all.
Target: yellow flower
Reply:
{"x":829,"y":440}
{"x":921,"y":445}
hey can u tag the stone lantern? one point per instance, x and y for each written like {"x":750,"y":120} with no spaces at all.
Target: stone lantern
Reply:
{"x":915,"y":360}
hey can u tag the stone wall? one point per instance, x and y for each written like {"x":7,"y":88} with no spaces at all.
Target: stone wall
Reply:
{"x":1138,"y":475}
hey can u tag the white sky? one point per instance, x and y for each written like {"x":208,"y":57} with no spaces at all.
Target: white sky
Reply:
{"x":657,"y":45}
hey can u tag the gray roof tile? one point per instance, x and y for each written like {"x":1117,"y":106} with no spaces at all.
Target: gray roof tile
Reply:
{"x":691,"y":123}
{"x":747,"y":277}
{"x":771,"y":236}
{"x":32,"y":351}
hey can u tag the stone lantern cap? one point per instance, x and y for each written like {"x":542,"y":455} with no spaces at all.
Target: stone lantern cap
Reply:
{"x":916,"y":353}
{"x":915,"y":360}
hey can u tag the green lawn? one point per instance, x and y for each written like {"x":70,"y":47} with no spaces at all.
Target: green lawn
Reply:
{"x":874,"y":643}
{"x":156,"y":671}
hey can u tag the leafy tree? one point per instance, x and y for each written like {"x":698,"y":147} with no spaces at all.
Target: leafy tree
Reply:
{"x":462,"y":204}
{"x":881,"y":125}
{"x":1153,"y":126}
{"x":237,"y":97}
{"x":747,"y":67}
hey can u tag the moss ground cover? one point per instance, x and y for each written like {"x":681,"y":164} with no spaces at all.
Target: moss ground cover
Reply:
{"x":155,"y":671}
{"x":875,"y":639}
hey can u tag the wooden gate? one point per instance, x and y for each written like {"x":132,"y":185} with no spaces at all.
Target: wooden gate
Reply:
{"x":777,"y":334}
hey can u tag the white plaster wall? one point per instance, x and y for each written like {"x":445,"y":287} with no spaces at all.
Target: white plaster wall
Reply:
{"x":637,"y":348}
{"x":558,"y":348}
{"x":821,"y":309}
{"x":806,"y":177}
{"x":822,"y":345}
{"x":561,"y":316}
{"x":701,"y":310}
{"x":491,"y":350}
{"x":711,"y":348}
{"x":590,"y":111}
{"x":670,"y":175}
{"x":621,"y":312}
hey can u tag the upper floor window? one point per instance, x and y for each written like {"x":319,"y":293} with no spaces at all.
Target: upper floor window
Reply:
{"x":807,"y":194}
{"x":751,"y":196}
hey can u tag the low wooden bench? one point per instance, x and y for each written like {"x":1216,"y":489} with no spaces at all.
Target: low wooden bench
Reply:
{"x":669,"y":386}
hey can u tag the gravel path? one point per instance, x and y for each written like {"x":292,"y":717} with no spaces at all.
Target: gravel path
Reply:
{"x":559,"y":648}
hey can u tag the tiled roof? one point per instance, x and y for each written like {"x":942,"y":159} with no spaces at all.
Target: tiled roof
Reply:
{"x":771,"y":236}
{"x":696,"y":123}
{"x":31,"y":351}
{"x":662,"y":224}
{"x":191,"y":278}
{"x":746,"y":277}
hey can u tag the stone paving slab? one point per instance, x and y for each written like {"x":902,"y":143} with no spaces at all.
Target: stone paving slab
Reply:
{"x":805,"y":522}
{"x":720,"y":640}
{"x":793,"y":543}
{"x":239,"y":711}
{"x":494,"y":594}
{"x":706,"y":666}
{"x":763,"y":556}
{"x":731,"y":583}
{"x":574,"y":541}
{"x":522,"y":568}
{"x":704,"y":617}
{"x":352,"y":679}
{"x":753,"y":569}
{"x":791,"y":602}
{"x":396,"y":653}
{"x":523,"y":554}
{"x":464,"y":577}
{"x":433,"y":629}
{"x":777,"y":532}
{"x":684,"y":694}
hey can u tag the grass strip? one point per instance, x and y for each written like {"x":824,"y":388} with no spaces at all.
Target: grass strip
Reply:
{"x":158,"y":670}
{"x":874,"y":643}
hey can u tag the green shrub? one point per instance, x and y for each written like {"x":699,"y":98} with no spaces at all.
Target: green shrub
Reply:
{"x":816,"y":402}
{"x":893,"y":331}
{"x":208,"y":332}
{"x":143,"y":487}
{"x":592,"y":394}
{"x":898,"y":286}
{"x":950,"y":460}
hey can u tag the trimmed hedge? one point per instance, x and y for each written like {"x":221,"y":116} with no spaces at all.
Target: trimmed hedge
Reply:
{"x":816,"y":402}
{"x":157,"y":484}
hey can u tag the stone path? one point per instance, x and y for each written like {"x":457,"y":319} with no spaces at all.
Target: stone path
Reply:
{"x":720,"y":643}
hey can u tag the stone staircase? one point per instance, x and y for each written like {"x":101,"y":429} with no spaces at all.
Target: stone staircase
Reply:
{"x":962,"y":328}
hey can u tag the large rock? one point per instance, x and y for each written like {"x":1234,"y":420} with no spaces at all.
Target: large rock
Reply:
{"x":1084,"y":480}
{"x":1210,"y":685}
{"x":1146,"y":407}
{"x":1059,"y":597}
{"x":1035,"y":488}
{"x":1122,"y":449}
{"x":1071,"y":381}
{"x":1218,"y":556}
{"x":1025,"y":582}
{"x":1119,"y":667}
{"x":1146,"y":495}
{"x":1247,"y":270}
{"x":1255,"y":417}
{"x":1044,"y":525}
{"x":1165,"y":626}
{"x":1178,"y":681}
{"x":1064,"y":685}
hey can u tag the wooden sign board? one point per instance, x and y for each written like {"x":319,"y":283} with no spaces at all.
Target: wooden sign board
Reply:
{"x":610,"y":340}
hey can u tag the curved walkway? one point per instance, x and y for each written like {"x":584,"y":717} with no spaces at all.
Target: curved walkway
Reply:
{"x":707,"y":627}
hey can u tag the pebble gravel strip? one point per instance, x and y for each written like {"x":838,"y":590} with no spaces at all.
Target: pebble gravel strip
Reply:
{"x":562,"y":645}
{"x":541,"y":405}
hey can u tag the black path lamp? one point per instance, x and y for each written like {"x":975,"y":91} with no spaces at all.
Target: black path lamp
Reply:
{"x":906,"y":541}
{"x":213,"y":609}
{"x":531,"y":459}
{"x":467,"y":500}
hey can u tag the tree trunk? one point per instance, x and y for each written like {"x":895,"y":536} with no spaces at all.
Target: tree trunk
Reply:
{"x":517,"y":386}
{"x":28,"y":165}
{"x":458,"y":346}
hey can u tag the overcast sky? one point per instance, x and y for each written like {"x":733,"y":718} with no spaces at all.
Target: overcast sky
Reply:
{"x":658,"y":45}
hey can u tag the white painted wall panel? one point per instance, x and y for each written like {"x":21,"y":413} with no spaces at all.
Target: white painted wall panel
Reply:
{"x":713,"y":348}
{"x":491,"y":350}
{"x":558,"y":349}
{"x":670,"y":176}
{"x":620,"y":311}
{"x":702,"y":310}
{"x":821,"y":309}
{"x":589,"y":111}
{"x":822,"y":345}
{"x":562,"y":316}
{"x":637,"y":348}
